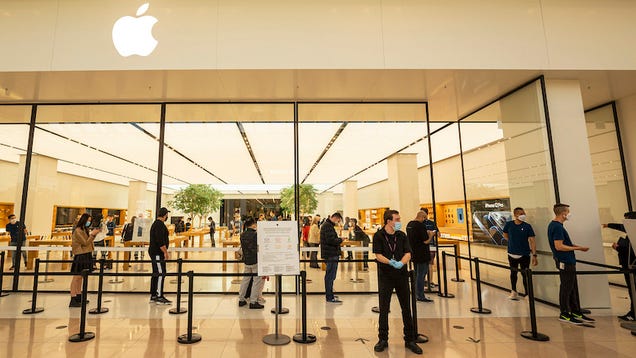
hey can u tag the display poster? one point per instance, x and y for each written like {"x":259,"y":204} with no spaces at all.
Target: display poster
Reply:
{"x":141,"y":230}
{"x":488,"y":220}
{"x":277,"y":248}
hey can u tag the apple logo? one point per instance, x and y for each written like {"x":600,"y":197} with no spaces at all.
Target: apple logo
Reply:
{"x":133,"y":35}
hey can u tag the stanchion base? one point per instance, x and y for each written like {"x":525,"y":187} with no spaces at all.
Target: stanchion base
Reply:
{"x":87,"y":336}
{"x":115,"y":281}
{"x":283,"y":310}
{"x":183,"y":339}
{"x":375,"y":309}
{"x":48,"y":280}
{"x":421,"y":338}
{"x":96,"y":311}
{"x":30,"y":311}
{"x":539,"y":336}
{"x":4,"y":294}
{"x":458,"y":280}
{"x":448,"y":295}
{"x":177,"y":311}
{"x":629,"y":325}
{"x":481,"y":311}
{"x":307,"y":339}
{"x":276,"y":339}
{"x":633,"y":333}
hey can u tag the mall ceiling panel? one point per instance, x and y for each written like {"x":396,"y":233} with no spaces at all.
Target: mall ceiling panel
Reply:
{"x":230,"y":112}
{"x":364,"y":112}
{"x":120,"y":113}
{"x":315,"y":140}
{"x":15,"y":114}
{"x":273,"y":147}
{"x":90,"y":172}
{"x":255,"y":85}
{"x":13,"y":141}
{"x":445,"y":143}
{"x":477,"y":134}
{"x":361,"y":145}
{"x":216,"y":149}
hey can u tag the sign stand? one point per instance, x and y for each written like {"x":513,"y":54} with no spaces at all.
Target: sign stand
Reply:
{"x":276,"y":339}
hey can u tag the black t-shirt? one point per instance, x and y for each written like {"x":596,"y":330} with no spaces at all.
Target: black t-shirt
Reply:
{"x":158,"y":237}
{"x":392,"y":247}
{"x":14,"y":231}
{"x":417,"y":234}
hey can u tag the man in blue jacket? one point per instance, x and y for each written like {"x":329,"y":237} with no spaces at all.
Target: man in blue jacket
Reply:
{"x":330,"y":251}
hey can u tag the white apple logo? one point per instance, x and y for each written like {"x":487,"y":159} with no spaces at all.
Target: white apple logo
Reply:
{"x":133,"y":35}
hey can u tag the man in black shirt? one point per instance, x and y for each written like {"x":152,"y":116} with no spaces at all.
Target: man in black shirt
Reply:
{"x":13,"y":228}
{"x":330,"y":251}
{"x":250,"y":258}
{"x":392,"y":253}
{"x":626,"y":258}
{"x":419,"y":238}
{"x":158,"y":252}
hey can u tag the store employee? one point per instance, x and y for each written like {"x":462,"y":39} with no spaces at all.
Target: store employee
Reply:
{"x":393,"y":252}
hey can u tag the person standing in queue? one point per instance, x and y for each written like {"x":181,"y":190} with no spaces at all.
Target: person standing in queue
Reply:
{"x":330,"y":252}
{"x":13,"y":228}
{"x":314,"y":241}
{"x":626,"y":258}
{"x":521,"y":244}
{"x":250,"y":258}
{"x":420,"y":237}
{"x":563,"y":253}
{"x":392,"y":254}
{"x":158,"y":251}
{"x":82,"y":249}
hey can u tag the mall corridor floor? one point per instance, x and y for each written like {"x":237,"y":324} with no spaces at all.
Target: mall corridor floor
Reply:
{"x":135,"y":328}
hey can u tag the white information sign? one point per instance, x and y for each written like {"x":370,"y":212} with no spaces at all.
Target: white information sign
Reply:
{"x":141,"y":230}
{"x":277,"y":248}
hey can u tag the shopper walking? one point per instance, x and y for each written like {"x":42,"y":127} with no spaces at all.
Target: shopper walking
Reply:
{"x":250,"y":258}
{"x":330,"y":252}
{"x":158,"y":251}
{"x":565,"y":260}
{"x":521,"y":244}
{"x":314,"y":241}
{"x":392,"y":253}
{"x":82,"y":250}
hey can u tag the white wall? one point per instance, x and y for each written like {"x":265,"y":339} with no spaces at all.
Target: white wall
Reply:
{"x":626,"y":108}
{"x":229,"y":34}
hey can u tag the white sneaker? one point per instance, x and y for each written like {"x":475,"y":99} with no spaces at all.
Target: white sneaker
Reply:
{"x":514,"y":296}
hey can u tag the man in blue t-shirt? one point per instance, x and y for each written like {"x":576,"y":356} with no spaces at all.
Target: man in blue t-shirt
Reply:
{"x":13,"y":228}
{"x":563,"y":253}
{"x":521,"y":244}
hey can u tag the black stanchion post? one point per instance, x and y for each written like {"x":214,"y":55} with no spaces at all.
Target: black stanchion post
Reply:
{"x":99,"y":309}
{"x":445,"y":294}
{"x":34,"y":309}
{"x":303,"y":336}
{"x":83,"y":336}
{"x":419,"y":338}
{"x":279,"y":297}
{"x":179,"y":309}
{"x":276,"y":339}
{"x":533,"y":334}
{"x":479,"y":308}
{"x":190,"y":337}
{"x":2,"y":294}
{"x":457,"y":278}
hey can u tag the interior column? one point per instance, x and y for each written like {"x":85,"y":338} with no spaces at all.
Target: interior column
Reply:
{"x":403,"y":185}
{"x":350,"y":199}
{"x":42,"y":189}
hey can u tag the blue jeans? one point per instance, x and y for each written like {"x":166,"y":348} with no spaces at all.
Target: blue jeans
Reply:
{"x":421,"y":270}
{"x":330,"y":276}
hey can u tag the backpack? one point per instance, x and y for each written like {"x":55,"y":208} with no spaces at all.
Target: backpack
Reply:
{"x":127,"y":232}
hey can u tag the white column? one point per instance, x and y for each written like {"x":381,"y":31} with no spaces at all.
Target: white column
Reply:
{"x":350,"y":199}
{"x":576,"y":183}
{"x":403,"y":185}
{"x":626,"y":109}
{"x":42,"y":190}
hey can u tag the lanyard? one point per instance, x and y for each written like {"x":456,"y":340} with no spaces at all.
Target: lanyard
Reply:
{"x":391,"y":248}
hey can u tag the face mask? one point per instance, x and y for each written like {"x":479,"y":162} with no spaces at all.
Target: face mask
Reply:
{"x":521,"y":217}
{"x":397,"y":226}
{"x":88,"y":223}
{"x":568,"y":216}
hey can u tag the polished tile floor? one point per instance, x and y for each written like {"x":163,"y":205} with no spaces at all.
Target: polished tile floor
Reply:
{"x":135,"y":328}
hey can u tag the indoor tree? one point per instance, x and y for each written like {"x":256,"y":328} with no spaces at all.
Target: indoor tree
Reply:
{"x":307,"y":195}
{"x":197,"y":199}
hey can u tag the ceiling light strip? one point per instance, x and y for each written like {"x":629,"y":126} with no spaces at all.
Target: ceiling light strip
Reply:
{"x":324,"y":151}
{"x":249,"y":149}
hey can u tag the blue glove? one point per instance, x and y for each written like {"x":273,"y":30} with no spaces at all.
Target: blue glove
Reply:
{"x":392,"y":263}
{"x":398,"y":265}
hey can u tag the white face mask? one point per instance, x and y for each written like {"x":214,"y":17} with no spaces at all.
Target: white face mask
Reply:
{"x":568,"y":216}
{"x":522,"y":217}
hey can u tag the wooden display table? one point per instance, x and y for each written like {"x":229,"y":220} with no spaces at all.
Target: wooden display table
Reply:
{"x":200,"y":233}
{"x":34,"y":241}
{"x":229,"y":243}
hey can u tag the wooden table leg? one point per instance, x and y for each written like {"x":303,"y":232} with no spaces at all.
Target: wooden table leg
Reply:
{"x":127,"y":259}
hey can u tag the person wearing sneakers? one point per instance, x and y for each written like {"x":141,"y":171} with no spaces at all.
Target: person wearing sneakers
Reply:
{"x":419,"y":238}
{"x":158,"y":251}
{"x":330,"y":252}
{"x":521,"y":244}
{"x":626,"y":259}
{"x":565,"y":260}
{"x":250,"y":258}
{"x":392,"y":254}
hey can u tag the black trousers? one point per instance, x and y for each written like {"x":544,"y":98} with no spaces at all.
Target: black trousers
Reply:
{"x":158,"y":275}
{"x":524,"y":262}
{"x":386,"y":284}
{"x":569,"y":289}
{"x":629,"y":289}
